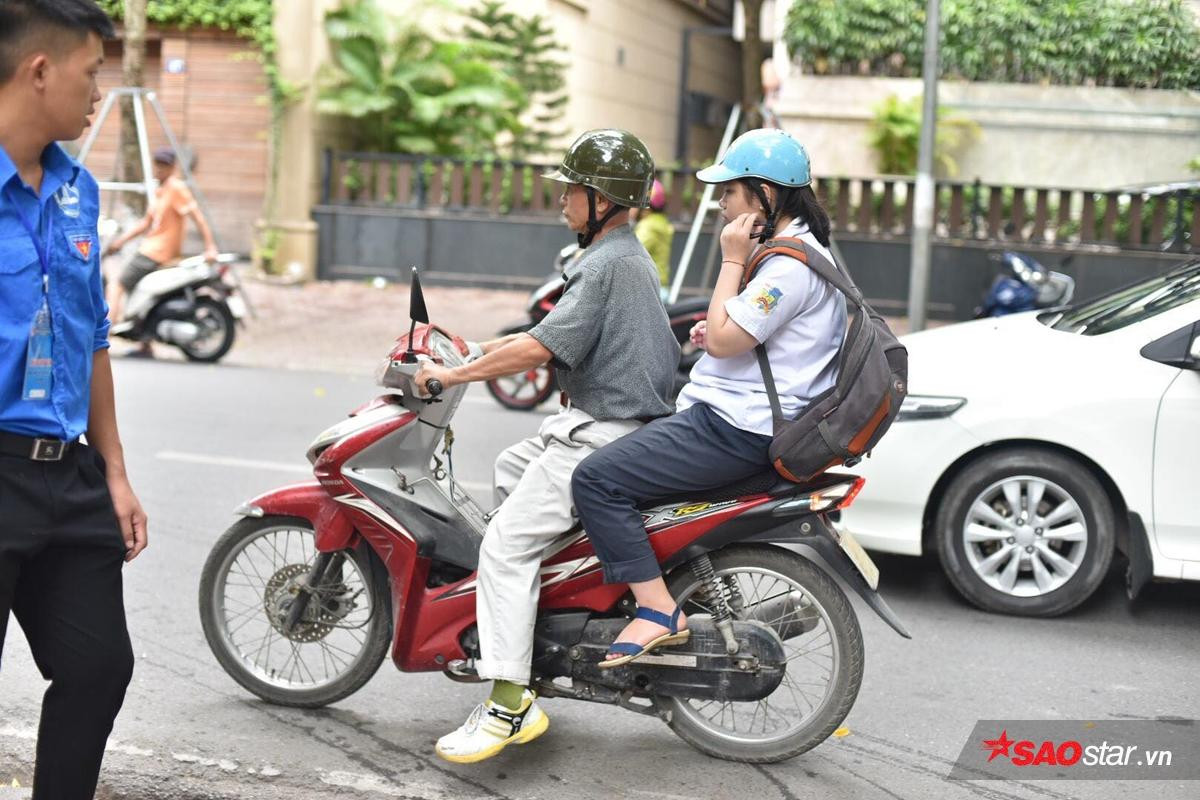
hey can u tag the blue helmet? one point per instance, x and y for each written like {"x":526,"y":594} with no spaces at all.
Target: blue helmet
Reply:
{"x":767,"y":153}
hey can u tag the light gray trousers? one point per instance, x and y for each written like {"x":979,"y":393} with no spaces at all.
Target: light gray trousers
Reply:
{"x":533,"y":487}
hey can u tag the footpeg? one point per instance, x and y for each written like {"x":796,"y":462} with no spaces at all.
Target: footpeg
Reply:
{"x":463,"y":671}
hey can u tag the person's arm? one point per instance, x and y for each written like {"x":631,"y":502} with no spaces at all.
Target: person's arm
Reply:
{"x":210,"y":244}
{"x":496,"y":344}
{"x":137,"y":230}
{"x":519,"y":353}
{"x":102,"y":434}
{"x":724,"y":337}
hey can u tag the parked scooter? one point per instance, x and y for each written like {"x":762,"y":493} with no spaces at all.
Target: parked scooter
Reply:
{"x":190,"y":306}
{"x":1025,"y":285}
{"x":303,"y":597}
{"x":528,"y":390}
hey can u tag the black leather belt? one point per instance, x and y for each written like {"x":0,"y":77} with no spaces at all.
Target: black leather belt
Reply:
{"x":34,"y":448}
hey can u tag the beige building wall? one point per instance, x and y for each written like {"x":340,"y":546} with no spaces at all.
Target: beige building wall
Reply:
{"x":623,"y":70}
{"x":1036,"y":136}
{"x":623,"y":60}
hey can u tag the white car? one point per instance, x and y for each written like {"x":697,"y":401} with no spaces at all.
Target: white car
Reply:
{"x":1034,"y":445}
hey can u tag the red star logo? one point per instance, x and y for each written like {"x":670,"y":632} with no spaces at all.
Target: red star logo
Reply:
{"x":84,"y":246}
{"x":999,"y":746}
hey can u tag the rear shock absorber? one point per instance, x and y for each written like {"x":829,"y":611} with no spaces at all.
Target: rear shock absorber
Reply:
{"x":721,"y":616}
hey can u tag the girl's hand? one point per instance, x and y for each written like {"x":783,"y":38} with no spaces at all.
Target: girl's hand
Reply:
{"x":735,"y":238}
{"x":699,"y":334}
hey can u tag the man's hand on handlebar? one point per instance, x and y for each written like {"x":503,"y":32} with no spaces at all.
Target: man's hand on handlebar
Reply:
{"x":430,"y":371}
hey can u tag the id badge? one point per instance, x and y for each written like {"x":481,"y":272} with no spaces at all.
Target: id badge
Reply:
{"x":39,"y":361}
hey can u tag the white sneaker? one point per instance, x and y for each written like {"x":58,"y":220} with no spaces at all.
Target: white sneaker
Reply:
{"x":492,"y":727}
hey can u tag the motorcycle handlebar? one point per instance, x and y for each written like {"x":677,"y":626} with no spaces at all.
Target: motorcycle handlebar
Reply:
{"x":433,"y":386}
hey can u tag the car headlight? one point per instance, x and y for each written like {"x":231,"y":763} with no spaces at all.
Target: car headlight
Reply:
{"x":917,"y":406}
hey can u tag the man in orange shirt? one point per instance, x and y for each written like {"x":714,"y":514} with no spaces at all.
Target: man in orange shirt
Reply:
{"x":164,"y":227}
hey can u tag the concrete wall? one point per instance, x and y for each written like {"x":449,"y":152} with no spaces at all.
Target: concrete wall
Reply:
{"x":1073,"y":137}
{"x":518,"y":252}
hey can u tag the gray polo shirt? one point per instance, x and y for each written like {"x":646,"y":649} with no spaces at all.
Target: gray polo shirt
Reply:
{"x":611,"y":340}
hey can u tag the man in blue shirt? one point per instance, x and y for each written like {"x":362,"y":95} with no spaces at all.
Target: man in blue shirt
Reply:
{"x":68,"y":517}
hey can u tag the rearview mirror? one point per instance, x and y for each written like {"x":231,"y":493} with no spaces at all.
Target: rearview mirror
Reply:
{"x":1179,"y":348}
{"x":416,"y":300}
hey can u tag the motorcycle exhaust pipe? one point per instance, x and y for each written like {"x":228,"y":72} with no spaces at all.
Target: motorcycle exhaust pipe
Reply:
{"x":787,"y":614}
{"x":177,"y":332}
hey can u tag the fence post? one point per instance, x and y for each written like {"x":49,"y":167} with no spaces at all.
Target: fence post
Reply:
{"x":326,"y":176}
{"x":976,"y":210}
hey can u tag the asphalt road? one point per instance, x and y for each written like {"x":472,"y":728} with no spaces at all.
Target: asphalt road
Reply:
{"x":201,"y":440}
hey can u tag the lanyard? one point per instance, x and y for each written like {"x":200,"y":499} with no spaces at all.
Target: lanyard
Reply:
{"x":42,"y":247}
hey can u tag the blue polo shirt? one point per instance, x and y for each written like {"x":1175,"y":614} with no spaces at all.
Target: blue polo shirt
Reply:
{"x":63,"y":216}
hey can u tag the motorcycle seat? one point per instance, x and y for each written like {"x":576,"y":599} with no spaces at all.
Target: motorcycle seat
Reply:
{"x":767,"y":482}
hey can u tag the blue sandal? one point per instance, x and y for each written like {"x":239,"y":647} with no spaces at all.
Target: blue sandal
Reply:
{"x":631,"y":651}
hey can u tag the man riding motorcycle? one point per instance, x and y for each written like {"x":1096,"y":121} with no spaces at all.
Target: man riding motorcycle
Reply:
{"x":611,"y":342}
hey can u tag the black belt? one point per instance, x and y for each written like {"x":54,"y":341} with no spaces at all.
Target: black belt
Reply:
{"x":33,"y":448}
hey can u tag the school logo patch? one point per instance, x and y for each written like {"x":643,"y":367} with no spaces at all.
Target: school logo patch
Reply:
{"x":83,"y":245}
{"x":767,"y":299}
{"x":67,"y":198}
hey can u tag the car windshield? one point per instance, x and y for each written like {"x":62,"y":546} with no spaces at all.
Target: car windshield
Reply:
{"x":1131,"y":304}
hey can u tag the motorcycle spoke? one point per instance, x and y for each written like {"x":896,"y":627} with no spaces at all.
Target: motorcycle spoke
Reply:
{"x":810,"y":658}
{"x":259,"y":579}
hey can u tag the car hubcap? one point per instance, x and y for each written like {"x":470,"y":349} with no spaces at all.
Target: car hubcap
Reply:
{"x":1025,"y":536}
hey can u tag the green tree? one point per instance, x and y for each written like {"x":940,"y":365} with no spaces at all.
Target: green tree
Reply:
{"x":895,"y":132}
{"x":1147,"y":43}
{"x":535,"y":66}
{"x":408,"y":90}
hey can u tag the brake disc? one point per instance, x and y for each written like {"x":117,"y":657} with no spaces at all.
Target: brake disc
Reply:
{"x":322,"y":615}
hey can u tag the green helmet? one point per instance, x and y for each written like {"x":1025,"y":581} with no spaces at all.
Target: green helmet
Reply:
{"x":613,"y":162}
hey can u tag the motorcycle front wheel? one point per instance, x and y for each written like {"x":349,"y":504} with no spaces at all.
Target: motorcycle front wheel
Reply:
{"x":251,"y":578}
{"x":824,"y":657}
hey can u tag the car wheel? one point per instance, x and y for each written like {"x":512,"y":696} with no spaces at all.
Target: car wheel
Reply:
{"x":1025,"y":531}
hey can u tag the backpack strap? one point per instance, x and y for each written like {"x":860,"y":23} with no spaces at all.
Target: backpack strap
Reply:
{"x":831,"y":273}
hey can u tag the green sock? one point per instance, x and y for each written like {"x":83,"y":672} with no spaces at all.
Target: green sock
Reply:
{"x":507,"y":694}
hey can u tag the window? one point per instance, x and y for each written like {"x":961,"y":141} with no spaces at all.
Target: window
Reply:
{"x":1132,"y":304}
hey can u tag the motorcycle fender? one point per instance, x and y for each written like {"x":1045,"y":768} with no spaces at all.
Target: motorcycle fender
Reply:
{"x":811,"y":534}
{"x":309,"y":501}
{"x":839,"y":561}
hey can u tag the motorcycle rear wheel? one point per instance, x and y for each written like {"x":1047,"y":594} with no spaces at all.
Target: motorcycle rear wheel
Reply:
{"x":245,"y":587}
{"x":825,"y":663}
{"x":218,"y":331}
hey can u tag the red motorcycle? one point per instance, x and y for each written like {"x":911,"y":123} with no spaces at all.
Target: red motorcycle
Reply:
{"x":302,"y":597}
{"x":527,"y":390}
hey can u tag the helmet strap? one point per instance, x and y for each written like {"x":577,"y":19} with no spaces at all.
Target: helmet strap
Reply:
{"x":768,"y":229}
{"x":594,"y":226}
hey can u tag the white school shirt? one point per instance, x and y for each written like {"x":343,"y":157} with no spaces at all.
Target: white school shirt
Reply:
{"x":802,"y":321}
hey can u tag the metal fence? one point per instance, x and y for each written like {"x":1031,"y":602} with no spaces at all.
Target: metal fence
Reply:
{"x":1156,"y":219}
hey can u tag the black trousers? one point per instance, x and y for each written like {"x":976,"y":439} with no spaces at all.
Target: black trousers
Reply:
{"x":693,"y":450}
{"x":61,"y":553}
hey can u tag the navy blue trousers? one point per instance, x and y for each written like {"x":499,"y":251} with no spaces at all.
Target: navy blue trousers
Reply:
{"x":693,"y":450}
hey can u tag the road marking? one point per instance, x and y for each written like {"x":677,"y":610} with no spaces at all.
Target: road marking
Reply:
{"x":227,"y":461}
{"x":275,"y":466}
{"x":112,"y":745}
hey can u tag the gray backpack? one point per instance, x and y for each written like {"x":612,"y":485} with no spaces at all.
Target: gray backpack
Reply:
{"x":841,"y":424}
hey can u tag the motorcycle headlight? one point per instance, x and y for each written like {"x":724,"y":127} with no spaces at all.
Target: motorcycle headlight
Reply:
{"x":917,"y":406}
